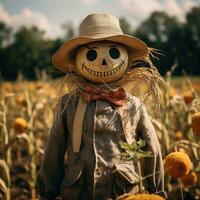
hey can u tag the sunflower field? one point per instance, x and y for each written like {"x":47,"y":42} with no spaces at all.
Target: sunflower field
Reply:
{"x":26,"y":114}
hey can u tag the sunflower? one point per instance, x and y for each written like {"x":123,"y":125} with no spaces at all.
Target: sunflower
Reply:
{"x":177,"y":164}
{"x":189,"y":179}
{"x":144,"y":197}
{"x":20,"y":125}
{"x":123,"y":197}
{"x":188,"y":97}
{"x":196,"y":123}
{"x":178,"y":135}
{"x":172,"y":92}
{"x":21,"y":100}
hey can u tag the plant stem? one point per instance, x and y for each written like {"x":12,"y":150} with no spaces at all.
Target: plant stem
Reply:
{"x":181,"y":187}
{"x":32,"y":146}
{"x":7,"y":150}
{"x":140,"y":176}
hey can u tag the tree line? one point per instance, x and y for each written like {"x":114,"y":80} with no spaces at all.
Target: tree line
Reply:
{"x":27,"y":50}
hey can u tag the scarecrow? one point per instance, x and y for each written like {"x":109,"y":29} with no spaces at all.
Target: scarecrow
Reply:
{"x":97,"y":114}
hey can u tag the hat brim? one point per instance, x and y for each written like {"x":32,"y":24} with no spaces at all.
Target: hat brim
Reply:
{"x":64,"y":58}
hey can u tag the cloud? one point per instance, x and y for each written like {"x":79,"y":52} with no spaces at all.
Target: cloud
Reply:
{"x":89,"y":2}
{"x":28,"y":18}
{"x":135,"y":10}
{"x":140,"y":9}
{"x":4,"y":16}
{"x":143,"y":8}
{"x":173,"y":8}
{"x":187,"y":5}
{"x":53,"y":0}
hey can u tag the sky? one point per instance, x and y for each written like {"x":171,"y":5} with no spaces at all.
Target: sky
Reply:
{"x":50,"y":15}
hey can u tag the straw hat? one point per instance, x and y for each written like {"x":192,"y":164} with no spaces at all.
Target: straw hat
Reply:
{"x":97,"y":27}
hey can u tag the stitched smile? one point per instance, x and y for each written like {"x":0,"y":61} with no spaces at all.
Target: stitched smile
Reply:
{"x":102,"y":74}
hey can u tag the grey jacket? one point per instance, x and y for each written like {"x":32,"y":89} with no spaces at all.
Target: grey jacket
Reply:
{"x":97,"y":172}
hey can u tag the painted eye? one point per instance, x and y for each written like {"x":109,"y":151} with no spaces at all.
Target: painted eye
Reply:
{"x":91,"y":55}
{"x":114,"y":53}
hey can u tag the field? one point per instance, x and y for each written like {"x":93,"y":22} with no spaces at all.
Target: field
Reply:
{"x":26,"y":113}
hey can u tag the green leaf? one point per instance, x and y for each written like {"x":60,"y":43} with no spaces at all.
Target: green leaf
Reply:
{"x":133,"y":151}
{"x":142,"y":155}
{"x":141,"y":143}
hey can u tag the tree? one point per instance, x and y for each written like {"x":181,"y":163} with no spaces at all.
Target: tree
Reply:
{"x":158,"y":31}
{"x":5,"y":37}
{"x":5,"y":34}
{"x":191,"y":41}
{"x":28,"y":51}
{"x":125,"y":26}
{"x":69,"y":31}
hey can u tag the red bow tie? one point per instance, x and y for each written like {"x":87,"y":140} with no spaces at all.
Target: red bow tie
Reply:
{"x":116,"y":97}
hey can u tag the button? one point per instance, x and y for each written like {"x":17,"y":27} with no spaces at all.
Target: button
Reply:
{"x":99,"y":116}
{"x":99,"y":170}
{"x":99,"y":151}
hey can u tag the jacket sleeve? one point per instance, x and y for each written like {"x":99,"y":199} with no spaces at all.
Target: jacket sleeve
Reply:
{"x":152,"y":166}
{"x":52,"y":168}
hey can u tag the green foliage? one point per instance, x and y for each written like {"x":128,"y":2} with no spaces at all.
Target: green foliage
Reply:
{"x":5,"y":33}
{"x":27,"y":49}
{"x":157,"y":28}
{"x":177,"y":41}
{"x":134,"y":151}
{"x":125,"y":26}
{"x":158,"y":31}
{"x":69,"y":30}
{"x":192,"y":41}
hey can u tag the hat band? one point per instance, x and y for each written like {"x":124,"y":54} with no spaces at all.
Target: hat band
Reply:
{"x":92,"y":30}
{"x":100,"y":34}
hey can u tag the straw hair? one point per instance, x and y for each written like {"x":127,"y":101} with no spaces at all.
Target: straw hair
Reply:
{"x":97,"y":27}
{"x":139,"y":73}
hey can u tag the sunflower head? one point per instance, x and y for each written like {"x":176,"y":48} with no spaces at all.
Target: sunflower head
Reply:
{"x":144,"y":197}
{"x":172,"y":92}
{"x":196,"y":123}
{"x":177,"y":164}
{"x":188,"y":97}
{"x":20,"y":125}
{"x":178,"y":135}
{"x":21,"y":101}
{"x":189,"y":179}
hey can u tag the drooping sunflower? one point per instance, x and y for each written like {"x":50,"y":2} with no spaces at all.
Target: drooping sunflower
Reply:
{"x":20,"y":124}
{"x":21,"y":101}
{"x":196,"y":123}
{"x":177,"y":164}
{"x":144,"y":197}
{"x":188,"y":97}
{"x":189,"y":179}
{"x":178,"y":135}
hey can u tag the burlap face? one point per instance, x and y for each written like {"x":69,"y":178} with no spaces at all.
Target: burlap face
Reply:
{"x":102,"y":61}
